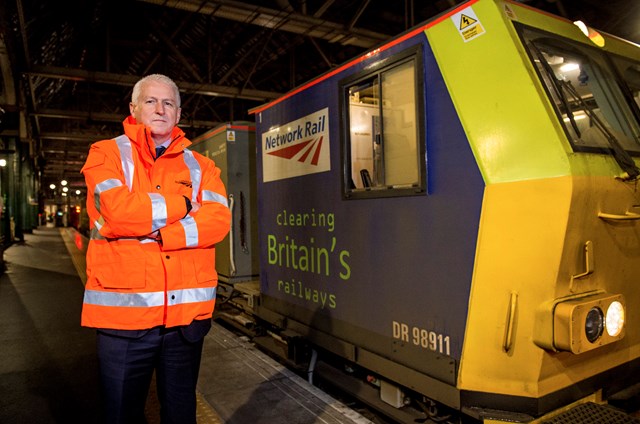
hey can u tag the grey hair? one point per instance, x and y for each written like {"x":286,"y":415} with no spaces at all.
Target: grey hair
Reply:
{"x":137,"y":89}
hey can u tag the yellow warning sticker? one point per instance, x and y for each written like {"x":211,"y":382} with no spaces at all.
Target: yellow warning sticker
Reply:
{"x":468,"y":24}
{"x":472,"y":32}
{"x":465,"y":21}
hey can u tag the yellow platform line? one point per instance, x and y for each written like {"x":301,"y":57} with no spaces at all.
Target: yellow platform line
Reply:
{"x":78,"y":257}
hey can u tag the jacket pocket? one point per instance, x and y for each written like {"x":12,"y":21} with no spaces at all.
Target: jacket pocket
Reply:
{"x":127,"y":275}
{"x":122,"y":267}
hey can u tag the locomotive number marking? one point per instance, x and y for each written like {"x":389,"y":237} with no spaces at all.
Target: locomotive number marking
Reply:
{"x":421,"y":337}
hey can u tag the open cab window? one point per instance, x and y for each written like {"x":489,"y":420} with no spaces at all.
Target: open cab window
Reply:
{"x":593,"y":100}
{"x":383,"y":128}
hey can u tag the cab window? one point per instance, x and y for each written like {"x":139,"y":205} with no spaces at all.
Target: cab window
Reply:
{"x":630,"y":73}
{"x":383,"y":126}
{"x":587,"y":92}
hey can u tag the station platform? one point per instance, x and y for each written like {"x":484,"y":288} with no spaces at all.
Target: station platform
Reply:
{"x":48,"y":363}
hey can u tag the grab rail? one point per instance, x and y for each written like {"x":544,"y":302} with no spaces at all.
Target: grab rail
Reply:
{"x":628,"y":216}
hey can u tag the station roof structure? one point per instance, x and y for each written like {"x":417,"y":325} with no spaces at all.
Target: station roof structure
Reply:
{"x":68,"y":67}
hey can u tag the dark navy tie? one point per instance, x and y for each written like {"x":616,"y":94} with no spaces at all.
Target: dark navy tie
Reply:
{"x":159,"y":151}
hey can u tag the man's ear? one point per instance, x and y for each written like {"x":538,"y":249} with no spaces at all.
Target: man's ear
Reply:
{"x":132,"y":108}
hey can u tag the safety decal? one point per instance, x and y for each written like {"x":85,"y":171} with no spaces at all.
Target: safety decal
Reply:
{"x":468,"y":24}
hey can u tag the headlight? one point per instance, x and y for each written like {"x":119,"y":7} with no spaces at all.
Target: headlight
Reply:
{"x":615,"y":318}
{"x":594,"y":324}
{"x":583,"y":324}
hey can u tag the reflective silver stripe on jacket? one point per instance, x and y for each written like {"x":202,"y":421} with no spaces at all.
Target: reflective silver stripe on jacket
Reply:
{"x":102,"y":187}
{"x":190,"y":231}
{"x":194,"y":171}
{"x":158,"y":203}
{"x":94,"y":297}
{"x":158,"y":211}
{"x":212,"y":196}
{"x":179,"y":297}
{"x":126,"y":156}
{"x":147,"y":300}
{"x":95,"y":232}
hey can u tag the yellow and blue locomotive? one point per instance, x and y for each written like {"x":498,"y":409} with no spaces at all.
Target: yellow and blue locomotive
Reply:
{"x":455,"y":215}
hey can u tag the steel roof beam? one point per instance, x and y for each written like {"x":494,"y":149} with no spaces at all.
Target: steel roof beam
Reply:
{"x":283,"y":20}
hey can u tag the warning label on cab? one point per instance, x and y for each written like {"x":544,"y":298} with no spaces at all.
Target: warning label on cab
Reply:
{"x":468,"y":24}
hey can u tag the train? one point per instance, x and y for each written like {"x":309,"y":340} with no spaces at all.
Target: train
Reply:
{"x":447,"y":225}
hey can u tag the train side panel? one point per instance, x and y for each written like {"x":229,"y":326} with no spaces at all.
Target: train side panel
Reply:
{"x":386,"y":275}
{"x":494,"y":282}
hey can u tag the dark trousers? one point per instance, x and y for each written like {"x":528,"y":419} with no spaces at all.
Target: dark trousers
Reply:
{"x":127,"y":362}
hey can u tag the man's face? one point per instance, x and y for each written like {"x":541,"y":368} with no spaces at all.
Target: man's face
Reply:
{"x":157,"y":108}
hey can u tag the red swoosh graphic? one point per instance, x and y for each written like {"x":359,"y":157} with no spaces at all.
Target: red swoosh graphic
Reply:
{"x":309,"y":146}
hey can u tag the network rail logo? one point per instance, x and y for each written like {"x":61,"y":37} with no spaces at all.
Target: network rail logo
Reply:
{"x":300,"y":147}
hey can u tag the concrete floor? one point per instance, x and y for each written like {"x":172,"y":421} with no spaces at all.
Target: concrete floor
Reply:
{"x":48,"y":363}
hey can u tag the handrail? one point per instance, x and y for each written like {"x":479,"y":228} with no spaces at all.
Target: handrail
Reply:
{"x":628,"y":216}
{"x":507,"y":343}
{"x":232,"y":252}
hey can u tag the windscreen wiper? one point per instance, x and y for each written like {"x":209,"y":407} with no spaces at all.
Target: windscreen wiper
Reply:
{"x":557,"y":87}
{"x":622,"y":157}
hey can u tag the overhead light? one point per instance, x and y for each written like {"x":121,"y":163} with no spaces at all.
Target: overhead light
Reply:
{"x":576,"y":117}
{"x":590,"y":33}
{"x":582,"y":26}
{"x":553,"y":59}
{"x":568,"y":67}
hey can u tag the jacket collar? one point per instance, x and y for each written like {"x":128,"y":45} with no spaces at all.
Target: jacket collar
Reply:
{"x":141,"y":138}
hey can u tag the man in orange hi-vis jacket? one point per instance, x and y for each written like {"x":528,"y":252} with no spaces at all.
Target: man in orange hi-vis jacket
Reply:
{"x":155,"y":216}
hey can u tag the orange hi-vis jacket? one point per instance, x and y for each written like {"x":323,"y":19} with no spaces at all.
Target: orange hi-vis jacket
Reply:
{"x":135,"y":279}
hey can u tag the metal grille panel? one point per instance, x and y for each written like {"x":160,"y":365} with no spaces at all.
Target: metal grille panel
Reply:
{"x":592,"y":413}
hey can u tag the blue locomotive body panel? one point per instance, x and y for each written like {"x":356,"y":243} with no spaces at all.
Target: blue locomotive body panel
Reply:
{"x":399,"y":268}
